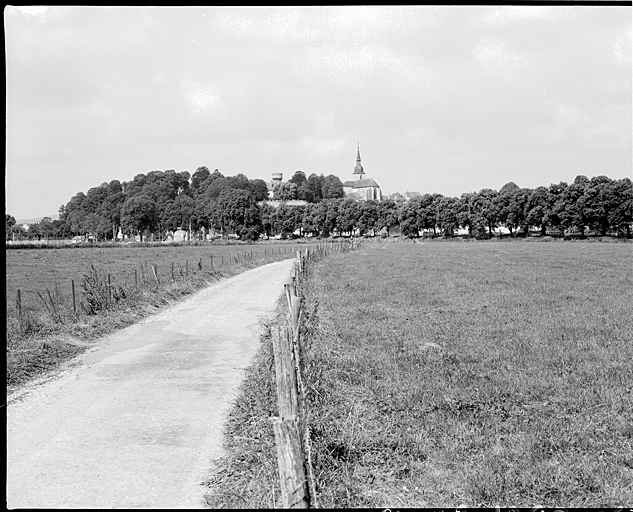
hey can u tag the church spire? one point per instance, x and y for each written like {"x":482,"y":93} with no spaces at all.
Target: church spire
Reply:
{"x":359,"y":173}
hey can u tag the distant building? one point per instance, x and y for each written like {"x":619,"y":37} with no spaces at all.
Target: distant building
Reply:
{"x":396,"y":197}
{"x":399,"y":198}
{"x":274,"y":183}
{"x":361,"y":188}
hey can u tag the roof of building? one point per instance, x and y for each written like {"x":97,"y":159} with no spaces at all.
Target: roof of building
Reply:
{"x":364,"y":183}
{"x":396,"y":196}
{"x":355,"y":195}
{"x":411,"y":195}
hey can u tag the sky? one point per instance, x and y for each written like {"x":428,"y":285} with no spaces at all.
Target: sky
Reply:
{"x":446,"y":99}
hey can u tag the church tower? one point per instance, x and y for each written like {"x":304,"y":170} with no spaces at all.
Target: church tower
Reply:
{"x":359,"y":173}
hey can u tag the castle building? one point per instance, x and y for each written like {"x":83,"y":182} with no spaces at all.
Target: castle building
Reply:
{"x":361,"y":188}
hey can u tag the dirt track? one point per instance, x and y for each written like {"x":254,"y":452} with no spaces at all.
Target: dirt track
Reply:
{"x":137,"y":422}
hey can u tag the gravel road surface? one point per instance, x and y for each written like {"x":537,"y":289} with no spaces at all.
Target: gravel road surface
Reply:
{"x":137,"y":421}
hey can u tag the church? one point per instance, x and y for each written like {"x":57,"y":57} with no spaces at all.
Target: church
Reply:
{"x":361,"y":188}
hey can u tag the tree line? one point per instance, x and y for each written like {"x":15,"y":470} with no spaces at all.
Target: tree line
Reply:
{"x":209,"y":202}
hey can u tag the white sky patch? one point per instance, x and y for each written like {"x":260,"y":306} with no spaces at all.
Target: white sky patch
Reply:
{"x":497,"y":54}
{"x":322,"y":148}
{"x":622,"y":46}
{"x":202,"y":98}
{"x":507,"y":14}
{"x":266,"y":24}
{"x":31,"y":10}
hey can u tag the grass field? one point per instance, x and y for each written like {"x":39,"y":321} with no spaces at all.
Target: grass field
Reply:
{"x":456,"y":374}
{"x":39,"y":269}
{"x":43,"y":329}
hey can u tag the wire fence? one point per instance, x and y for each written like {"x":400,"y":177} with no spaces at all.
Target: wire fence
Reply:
{"x":96,"y":290}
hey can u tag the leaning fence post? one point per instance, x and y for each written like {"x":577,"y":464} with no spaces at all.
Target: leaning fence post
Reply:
{"x":155,"y":274}
{"x":74,"y":301}
{"x":20,"y":307}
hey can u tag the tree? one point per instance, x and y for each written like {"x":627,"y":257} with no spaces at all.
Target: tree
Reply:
{"x":110,"y":209}
{"x":46,"y":227}
{"x":259,"y":189}
{"x":9,"y":225}
{"x":387,"y":215}
{"x":96,"y":225}
{"x":313,"y":190}
{"x":447,"y":218}
{"x":332,"y":188}
{"x":74,"y":213}
{"x":597,"y":203}
{"x":286,"y":191}
{"x":572,"y":208}
{"x":368,"y":216}
{"x":287,"y":219}
{"x":309,"y":221}
{"x":348,"y":215}
{"x":300,"y":180}
{"x":620,"y":206}
{"x":180,"y":213}
{"x":408,"y":218}
{"x":140,"y":213}
{"x":235,"y":211}
{"x":486,"y":208}
{"x":465,"y":212}
{"x":512,"y":201}
{"x":326,"y":216}
{"x":536,"y":209}
{"x":267,"y":213}
{"x":555,"y":205}
{"x":199,"y":177}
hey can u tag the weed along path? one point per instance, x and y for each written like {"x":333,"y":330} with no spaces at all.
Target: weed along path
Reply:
{"x":136,"y":422}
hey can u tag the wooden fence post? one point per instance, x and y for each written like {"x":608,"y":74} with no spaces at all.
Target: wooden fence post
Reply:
{"x":292,"y":475}
{"x":72,"y":282}
{"x":285,"y":373}
{"x":19,"y":302}
{"x":154,"y":270}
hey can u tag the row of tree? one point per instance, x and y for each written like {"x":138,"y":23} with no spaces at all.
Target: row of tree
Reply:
{"x":159,"y":202}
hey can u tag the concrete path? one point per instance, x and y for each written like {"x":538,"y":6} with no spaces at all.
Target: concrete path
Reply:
{"x":137,"y":422}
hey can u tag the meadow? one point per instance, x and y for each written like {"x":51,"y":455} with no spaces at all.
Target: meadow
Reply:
{"x":39,"y":269}
{"x":455,"y":374}
{"x":114,"y":287}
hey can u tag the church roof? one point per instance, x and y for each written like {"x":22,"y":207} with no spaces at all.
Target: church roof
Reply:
{"x":364,"y":183}
{"x":349,"y":183}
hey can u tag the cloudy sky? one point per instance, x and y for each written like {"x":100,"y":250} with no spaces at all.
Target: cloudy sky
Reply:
{"x":446,"y":99}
